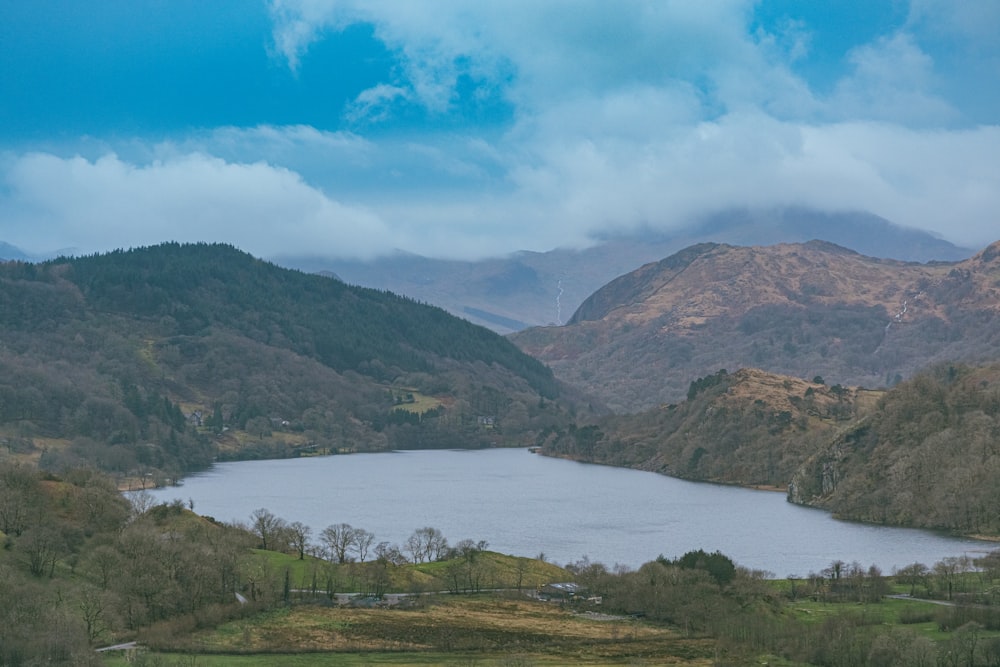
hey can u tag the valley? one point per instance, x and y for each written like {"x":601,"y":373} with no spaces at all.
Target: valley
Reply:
{"x":152,"y":363}
{"x":137,"y":368}
{"x":500,"y":334}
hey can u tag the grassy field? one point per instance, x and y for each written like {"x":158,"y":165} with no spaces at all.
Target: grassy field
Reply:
{"x":495,"y":629}
{"x":441,"y":630}
{"x":496,"y":571}
{"x":414,"y":401}
{"x":889,"y":611}
{"x":504,"y":627}
{"x":375,"y":660}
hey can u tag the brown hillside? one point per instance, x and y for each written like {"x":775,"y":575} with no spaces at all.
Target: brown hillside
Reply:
{"x":749,"y":427}
{"x":797,"y":309}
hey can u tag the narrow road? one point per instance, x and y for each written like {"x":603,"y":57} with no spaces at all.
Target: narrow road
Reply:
{"x":117,"y":647}
{"x":943,"y":603}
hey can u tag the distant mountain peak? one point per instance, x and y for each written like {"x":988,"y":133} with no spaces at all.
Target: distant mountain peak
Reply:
{"x":9,"y":252}
{"x":541,"y":288}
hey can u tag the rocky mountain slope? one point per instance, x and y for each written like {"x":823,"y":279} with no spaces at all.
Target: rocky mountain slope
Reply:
{"x":541,"y":288}
{"x":796,"y":309}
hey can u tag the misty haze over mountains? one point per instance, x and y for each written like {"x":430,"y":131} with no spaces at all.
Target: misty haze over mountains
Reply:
{"x":9,"y":252}
{"x":529,"y":289}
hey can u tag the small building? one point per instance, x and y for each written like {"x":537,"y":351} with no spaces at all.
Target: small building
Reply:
{"x":567,"y":590}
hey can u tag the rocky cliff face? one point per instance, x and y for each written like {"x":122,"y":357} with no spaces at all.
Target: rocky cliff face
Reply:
{"x":817,"y":478}
{"x":928,"y":455}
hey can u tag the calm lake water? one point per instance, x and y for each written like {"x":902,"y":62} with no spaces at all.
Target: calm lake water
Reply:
{"x":525,"y":504}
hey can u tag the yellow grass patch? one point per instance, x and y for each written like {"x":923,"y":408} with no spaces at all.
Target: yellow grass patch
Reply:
{"x":482,"y":625}
{"x":419,"y":404}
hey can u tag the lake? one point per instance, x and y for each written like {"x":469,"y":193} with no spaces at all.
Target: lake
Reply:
{"x":525,"y":504}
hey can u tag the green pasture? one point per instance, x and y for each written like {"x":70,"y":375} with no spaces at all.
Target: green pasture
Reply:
{"x":414,"y":401}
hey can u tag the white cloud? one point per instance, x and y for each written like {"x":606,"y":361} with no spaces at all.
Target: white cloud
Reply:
{"x":792,"y":39}
{"x":631,"y":160}
{"x":975,"y":22}
{"x":893,"y":80}
{"x":106,"y":203}
{"x":375,"y":104}
{"x":545,"y":54}
{"x":541,"y":53}
{"x":332,"y":156}
{"x":963,"y":36}
{"x":625,"y":114}
{"x":945,"y":182}
{"x":299,"y":23}
{"x":288,"y":139}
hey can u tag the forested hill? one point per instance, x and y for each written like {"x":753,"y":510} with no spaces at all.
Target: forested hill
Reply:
{"x":928,"y":456}
{"x":925,"y":453}
{"x":340,"y":325}
{"x":170,"y":355}
{"x":748,"y":427}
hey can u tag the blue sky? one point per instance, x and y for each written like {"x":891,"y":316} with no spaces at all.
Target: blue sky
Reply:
{"x":468,"y":129}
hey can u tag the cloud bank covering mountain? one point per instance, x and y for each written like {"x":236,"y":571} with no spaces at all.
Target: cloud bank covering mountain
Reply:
{"x":465,"y":130}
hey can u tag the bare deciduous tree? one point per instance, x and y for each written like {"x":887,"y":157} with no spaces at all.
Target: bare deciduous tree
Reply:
{"x":19,"y":492}
{"x":266,"y":526}
{"x":427,"y":544}
{"x":140,"y":502}
{"x":338,"y":539}
{"x":361,"y":542}
{"x":299,"y":534}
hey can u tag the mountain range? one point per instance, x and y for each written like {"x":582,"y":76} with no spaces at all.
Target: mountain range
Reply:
{"x":9,"y":252}
{"x":157,"y":361}
{"x":796,"y":309}
{"x":528,"y":289}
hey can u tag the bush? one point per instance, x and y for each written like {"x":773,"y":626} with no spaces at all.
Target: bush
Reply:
{"x":916,"y":614}
{"x":951,"y":618}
